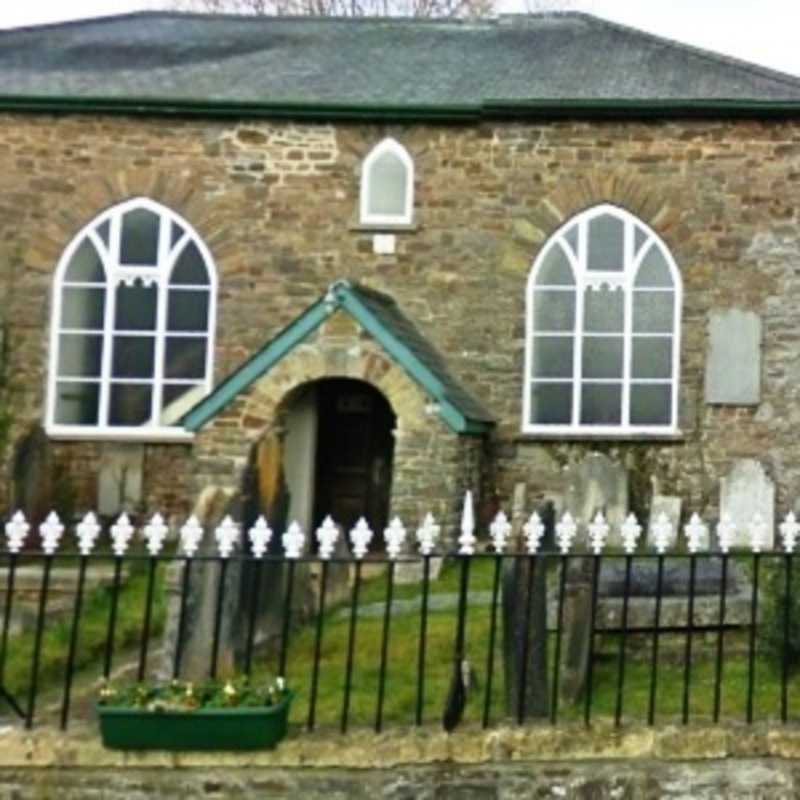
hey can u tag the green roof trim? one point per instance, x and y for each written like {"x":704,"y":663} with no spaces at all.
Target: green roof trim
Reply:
{"x":379,"y":315}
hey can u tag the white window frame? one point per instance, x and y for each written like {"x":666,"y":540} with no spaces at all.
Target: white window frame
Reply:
{"x":117,"y":273}
{"x":392,"y":146}
{"x":623,"y":281}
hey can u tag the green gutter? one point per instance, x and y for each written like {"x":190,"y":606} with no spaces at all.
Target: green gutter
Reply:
{"x":490,"y":109}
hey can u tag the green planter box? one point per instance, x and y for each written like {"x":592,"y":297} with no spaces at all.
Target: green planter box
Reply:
{"x":244,"y":728}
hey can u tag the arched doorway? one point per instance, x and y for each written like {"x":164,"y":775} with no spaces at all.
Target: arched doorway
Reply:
{"x":338,"y":449}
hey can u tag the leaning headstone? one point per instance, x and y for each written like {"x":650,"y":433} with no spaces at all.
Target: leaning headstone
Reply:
{"x":664,"y":507}
{"x":119,"y":477}
{"x":746,"y":492}
{"x":32,"y":476}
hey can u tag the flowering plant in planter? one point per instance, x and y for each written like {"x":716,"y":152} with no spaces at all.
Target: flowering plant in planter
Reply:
{"x":182,"y":715}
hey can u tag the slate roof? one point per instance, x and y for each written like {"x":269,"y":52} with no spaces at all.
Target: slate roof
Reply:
{"x":381,"y":317}
{"x":194,"y":58}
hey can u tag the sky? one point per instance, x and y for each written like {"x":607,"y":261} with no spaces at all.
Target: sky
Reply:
{"x":762,"y":31}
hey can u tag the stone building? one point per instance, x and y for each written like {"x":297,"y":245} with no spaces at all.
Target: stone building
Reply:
{"x":391,"y":260}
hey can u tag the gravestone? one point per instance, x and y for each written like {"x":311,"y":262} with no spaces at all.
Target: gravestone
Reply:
{"x":119,"y":477}
{"x":747,"y":490}
{"x":671,"y":508}
{"x":32,"y":477}
{"x":733,"y":361}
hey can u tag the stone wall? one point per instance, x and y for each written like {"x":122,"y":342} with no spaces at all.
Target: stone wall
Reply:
{"x":276,"y":204}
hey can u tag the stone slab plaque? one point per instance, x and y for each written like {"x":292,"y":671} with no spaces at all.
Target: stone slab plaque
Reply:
{"x":746,"y":491}
{"x":733,"y":361}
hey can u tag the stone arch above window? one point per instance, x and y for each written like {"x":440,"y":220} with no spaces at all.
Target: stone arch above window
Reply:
{"x":387,"y":185}
{"x":132,"y":330}
{"x":603,"y":313}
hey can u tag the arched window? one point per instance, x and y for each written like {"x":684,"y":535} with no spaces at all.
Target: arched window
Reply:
{"x":387,"y":185}
{"x":602,"y":329}
{"x":133,"y":325}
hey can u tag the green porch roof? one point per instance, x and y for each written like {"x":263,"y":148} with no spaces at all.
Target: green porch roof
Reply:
{"x":380,"y":316}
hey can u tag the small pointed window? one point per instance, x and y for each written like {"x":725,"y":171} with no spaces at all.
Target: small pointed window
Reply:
{"x":387,"y":185}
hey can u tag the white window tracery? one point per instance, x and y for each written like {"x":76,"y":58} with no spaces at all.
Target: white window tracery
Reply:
{"x":387,"y":185}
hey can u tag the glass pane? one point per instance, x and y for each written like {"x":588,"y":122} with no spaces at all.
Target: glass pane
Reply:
{"x":77,"y":403}
{"x":552,"y":356}
{"x":603,"y":310}
{"x":555,"y":269}
{"x":651,"y":405}
{"x":551,"y":404}
{"x":571,"y":238}
{"x":139,"y":242}
{"x":136,"y":308}
{"x":85,"y":265}
{"x":654,"y":270}
{"x":103,"y":231}
{"x":190,"y":267}
{"x":386,"y":186}
{"x":602,"y":357}
{"x":130,"y":403}
{"x":188,"y":311}
{"x":653,"y":312}
{"x":652,"y":358}
{"x":172,"y":392}
{"x":186,"y":358}
{"x":606,"y":244}
{"x":176,"y":232}
{"x":79,"y":356}
{"x":640,"y":237}
{"x":601,"y":404}
{"x":134,"y":357}
{"x":83,"y":308}
{"x":553,"y":310}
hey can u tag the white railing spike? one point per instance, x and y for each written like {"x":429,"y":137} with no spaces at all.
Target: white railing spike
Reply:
{"x":428,"y":534}
{"x":566,"y":530}
{"x":790,"y":530}
{"x":598,"y":532}
{"x":51,"y":530}
{"x":121,"y":534}
{"x":758,"y":533}
{"x":155,"y":532}
{"x":360,"y":538}
{"x":191,"y":534}
{"x":533,"y":530}
{"x":395,"y":537}
{"x":327,"y":534}
{"x":662,"y":533}
{"x":227,"y":536}
{"x":260,"y":535}
{"x":87,"y":530}
{"x":467,"y":540}
{"x":293,"y":540}
{"x":696,"y":533}
{"x":16,"y":531}
{"x":726,"y":529}
{"x":630,"y":530}
{"x":500,"y":531}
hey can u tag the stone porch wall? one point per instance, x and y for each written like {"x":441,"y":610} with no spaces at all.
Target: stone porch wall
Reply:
{"x":276,"y":203}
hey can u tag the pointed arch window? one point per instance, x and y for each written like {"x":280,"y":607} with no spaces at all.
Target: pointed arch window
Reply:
{"x":387,"y":185}
{"x":602,"y":329}
{"x":132,"y":336}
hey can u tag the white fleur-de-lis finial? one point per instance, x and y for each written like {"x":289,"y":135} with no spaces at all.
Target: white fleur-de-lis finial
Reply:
{"x":327,"y":534}
{"x":121,"y":534}
{"x":467,"y":540}
{"x":293,"y":540}
{"x":500,"y":530}
{"x":260,"y":536}
{"x":227,"y":536}
{"x":191,"y":534}
{"x":360,"y":537}
{"x":534,"y":532}
{"x":662,"y":533}
{"x":598,"y":532}
{"x":790,"y":529}
{"x":630,"y":530}
{"x":725,"y":533}
{"x":566,"y":530}
{"x":16,"y":530}
{"x":87,"y":530}
{"x":758,"y":533}
{"x":395,"y":537}
{"x":154,"y":534}
{"x":51,"y":530}
{"x":428,"y":534}
{"x":696,"y":533}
